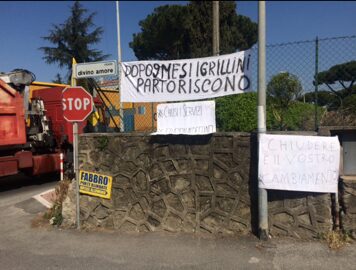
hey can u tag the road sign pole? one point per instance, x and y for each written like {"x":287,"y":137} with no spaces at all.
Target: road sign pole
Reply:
{"x":77,"y":106}
{"x":75,"y":154}
{"x":76,"y":171}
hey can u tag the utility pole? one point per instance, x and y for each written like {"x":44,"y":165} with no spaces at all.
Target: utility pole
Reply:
{"x":261,"y":113}
{"x":216,"y":28}
{"x":119,"y":60}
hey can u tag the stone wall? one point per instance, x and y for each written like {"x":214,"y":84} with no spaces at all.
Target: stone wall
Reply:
{"x":172,"y":183}
{"x":348,"y":205}
{"x":190,"y":184}
{"x":299,"y":214}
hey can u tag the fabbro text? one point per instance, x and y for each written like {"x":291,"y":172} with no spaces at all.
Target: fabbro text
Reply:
{"x":94,"y":178}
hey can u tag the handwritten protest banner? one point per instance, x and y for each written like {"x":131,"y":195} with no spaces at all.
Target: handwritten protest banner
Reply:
{"x":301,"y":163}
{"x":188,"y":79}
{"x":192,"y":118}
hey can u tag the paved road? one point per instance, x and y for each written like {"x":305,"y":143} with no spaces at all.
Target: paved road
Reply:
{"x":24,"y":247}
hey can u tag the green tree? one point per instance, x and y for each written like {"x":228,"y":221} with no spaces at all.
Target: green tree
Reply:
{"x":325,"y":99}
{"x":239,"y":113}
{"x":298,"y":116}
{"x":282,"y":90}
{"x":73,"y":38}
{"x":177,"y":32}
{"x":343,"y":74}
{"x":237,"y":32}
{"x":164,"y":34}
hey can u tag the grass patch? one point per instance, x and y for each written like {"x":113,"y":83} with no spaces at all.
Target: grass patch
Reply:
{"x":54,"y":214}
{"x":336,"y":239}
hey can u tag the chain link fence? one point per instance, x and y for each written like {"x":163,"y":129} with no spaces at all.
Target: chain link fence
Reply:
{"x":337,"y":72}
{"x":325,"y":69}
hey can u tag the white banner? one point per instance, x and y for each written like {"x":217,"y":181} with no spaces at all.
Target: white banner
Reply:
{"x":300,"y":163}
{"x":189,"y":79}
{"x":191,"y":118}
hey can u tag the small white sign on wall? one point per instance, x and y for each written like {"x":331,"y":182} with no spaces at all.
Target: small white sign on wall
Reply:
{"x":191,"y":118}
{"x":299,"y":163}
{"x":95,"y":69}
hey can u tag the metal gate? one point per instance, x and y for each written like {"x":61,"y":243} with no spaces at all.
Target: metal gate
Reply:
{"x":349,"y":153}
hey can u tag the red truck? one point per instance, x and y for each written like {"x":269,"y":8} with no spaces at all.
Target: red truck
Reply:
{"x":33,"y":132}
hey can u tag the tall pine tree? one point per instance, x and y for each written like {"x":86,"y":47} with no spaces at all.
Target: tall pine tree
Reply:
{"x":74,"y":38}
{"x":177,"y":32}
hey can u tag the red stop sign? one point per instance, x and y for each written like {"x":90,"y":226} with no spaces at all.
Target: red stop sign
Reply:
{"x":77,"y":104}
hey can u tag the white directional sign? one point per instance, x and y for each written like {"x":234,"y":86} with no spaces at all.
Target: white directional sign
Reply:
{"x":95,"y":69}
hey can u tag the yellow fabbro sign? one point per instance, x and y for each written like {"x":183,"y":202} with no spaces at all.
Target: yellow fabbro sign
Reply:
{"x":95,"y":184}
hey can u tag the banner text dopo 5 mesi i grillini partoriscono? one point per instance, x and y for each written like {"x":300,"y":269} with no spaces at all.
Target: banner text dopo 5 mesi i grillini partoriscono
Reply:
{"x":187,"y":79}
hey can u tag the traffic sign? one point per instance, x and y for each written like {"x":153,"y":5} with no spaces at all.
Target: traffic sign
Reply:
{"x":95,"y":69}
{"x":77,"y":104}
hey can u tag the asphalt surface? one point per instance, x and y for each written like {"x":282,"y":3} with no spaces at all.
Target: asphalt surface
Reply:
{"x":25,"y":247}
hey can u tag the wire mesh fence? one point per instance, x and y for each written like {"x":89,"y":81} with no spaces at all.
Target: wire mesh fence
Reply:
{"x":326,"y":71}
{"x":324,"y":68}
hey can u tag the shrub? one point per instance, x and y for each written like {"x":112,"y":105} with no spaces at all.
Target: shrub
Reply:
{"x":239,"y":113}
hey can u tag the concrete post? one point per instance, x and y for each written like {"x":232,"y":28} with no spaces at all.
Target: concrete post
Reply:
{"x":261,"y":113}
{"x":122,"y":127}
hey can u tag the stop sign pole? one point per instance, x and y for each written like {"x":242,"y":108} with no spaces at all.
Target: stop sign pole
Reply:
{"x":77,"y":105}
{"x":76,"y":171}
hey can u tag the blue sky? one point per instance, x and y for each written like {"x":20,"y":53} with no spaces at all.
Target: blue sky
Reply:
{"x":24,"y":23}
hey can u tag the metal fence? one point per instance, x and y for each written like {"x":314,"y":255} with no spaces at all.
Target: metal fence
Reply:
{"x":307,"y":60}
{"x":303,"y":59}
